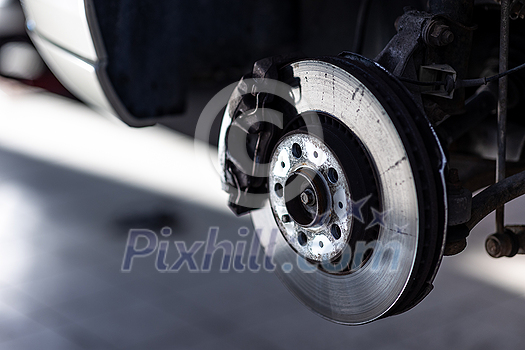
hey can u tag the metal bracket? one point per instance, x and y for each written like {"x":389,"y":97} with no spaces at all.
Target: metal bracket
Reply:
{"x":506,"y":244}
{"x":438,"y":72}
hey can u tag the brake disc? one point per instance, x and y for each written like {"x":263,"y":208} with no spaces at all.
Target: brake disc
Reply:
{"x":355,"y":213}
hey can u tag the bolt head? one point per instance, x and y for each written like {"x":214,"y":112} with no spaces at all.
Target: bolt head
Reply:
{"x":307,"y":197}
{"x":499,"y":245}
{"x":446,"y":37}
{"x":439,"y":35}
{"x":493,"y":247}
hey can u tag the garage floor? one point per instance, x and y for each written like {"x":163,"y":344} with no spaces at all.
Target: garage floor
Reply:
{"x":64,"y":221}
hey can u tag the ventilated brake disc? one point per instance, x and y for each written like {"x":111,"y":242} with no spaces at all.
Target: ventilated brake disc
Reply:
{"x":354,"y":212}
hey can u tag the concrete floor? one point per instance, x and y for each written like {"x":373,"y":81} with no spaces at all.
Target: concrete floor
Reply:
{"x":65,"y":213}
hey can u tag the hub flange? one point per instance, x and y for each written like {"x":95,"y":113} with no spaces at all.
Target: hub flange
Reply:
{"x":309,"y":187}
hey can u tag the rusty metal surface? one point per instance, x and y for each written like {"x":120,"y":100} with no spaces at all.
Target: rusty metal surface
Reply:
{"x":441,"y":36}
{"x":502,"y":107}
{"x":496,"y":195}
{"x":506,"y":244}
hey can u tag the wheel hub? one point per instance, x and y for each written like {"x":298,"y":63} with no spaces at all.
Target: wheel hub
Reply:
{"x":310,"y":197}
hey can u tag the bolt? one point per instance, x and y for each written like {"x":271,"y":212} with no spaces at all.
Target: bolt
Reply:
{"x":445,"y":37}
{"x":307,"y":197}
{"x":493,"y":247}
{"x":286,"y":218}
{"x":500,"y":245}
{"x":438,"y":34}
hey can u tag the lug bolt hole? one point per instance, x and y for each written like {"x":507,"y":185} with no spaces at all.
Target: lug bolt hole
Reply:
{"x":340,"y":205}
{"x":336,"y":231}
{"x":278,"y":190}
{"x":283,"y":164}
{"x":333,"y":176}
{"x":296,"y":150}
{"x":286,"y":218}
{"x":302,"y":238}
{"x":316,"y":154}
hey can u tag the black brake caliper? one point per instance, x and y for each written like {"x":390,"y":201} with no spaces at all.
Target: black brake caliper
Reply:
{"x":258,"y":116}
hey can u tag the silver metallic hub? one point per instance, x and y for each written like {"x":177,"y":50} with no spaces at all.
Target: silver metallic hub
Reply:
{"x":309,"y":197}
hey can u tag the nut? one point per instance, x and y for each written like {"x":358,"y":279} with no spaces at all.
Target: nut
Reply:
{"x":438,"y":34}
